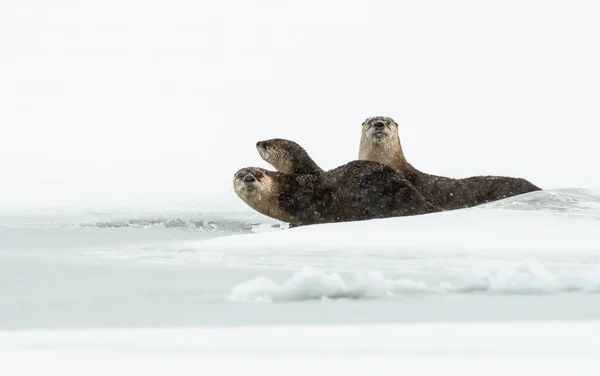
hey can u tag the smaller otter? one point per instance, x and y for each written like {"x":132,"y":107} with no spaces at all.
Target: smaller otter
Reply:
{"x":287,"y":156}
{"x":358,"y":190}
{"x":380,"y":142}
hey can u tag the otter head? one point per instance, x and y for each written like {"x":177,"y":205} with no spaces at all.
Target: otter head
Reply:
{"x":380,"y":142}
{"x":252,"y":183}
{"x":379,"y":129}
{"x":287,"y":156}
{"x":258,"y":188}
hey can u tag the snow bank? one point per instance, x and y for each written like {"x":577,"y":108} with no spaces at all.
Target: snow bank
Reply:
{"x":479,"y":348}
{"x":494,"y":229}
{"x":544,"y":242}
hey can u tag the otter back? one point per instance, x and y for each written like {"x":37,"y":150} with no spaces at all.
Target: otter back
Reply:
{"x":358,"y":190}
{"x":450,"y":193}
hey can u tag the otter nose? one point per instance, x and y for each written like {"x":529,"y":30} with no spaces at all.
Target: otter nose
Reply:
{"x":249,"y":178}
{"x":378,"y":124}
{"x":261,"y":144}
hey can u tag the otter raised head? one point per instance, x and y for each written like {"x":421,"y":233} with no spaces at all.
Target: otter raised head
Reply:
{"x":380,"y":142}
{"x":306,"y":194}
{"x":287,"y":156}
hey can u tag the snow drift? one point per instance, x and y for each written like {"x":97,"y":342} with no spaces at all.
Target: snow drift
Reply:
{"x":542,"y":242}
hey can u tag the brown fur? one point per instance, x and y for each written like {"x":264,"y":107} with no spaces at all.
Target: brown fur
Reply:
{"x":263,"y":197}
{"x":287,"y":156}
{"x":383,"y":145}
{"x":358,"y":190}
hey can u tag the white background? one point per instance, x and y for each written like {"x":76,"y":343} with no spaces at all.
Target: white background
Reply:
{"x":166,"y":99}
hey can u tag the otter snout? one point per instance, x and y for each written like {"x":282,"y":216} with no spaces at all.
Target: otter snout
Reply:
{"x":263,"y":149}
{"x":379,"y":128}
{"x":247,"y":179}
{"x":246,"y":183}
{"x":378,"y":131}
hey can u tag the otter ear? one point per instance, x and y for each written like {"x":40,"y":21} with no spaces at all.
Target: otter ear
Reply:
{"x":396,"y":124}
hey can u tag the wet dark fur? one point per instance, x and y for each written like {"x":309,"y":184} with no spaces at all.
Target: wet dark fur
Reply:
{"x":449,"y":193}
{"x":452,"y":193}
{"x":298,"y":158}
{"x":358,"y":190}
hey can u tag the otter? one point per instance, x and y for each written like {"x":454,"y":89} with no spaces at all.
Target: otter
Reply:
{"x":358,"y":190}
{"x":287,"y":156}
{"x":380,"y":142}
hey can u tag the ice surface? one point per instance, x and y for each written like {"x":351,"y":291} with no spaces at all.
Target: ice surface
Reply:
{"x":542,"y":242}
{"x":419,"y":349}
{"x":535,"y":256}
{"x":521,"y":338}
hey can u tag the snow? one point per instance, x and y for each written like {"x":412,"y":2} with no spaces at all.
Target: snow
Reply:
{"x":419,"y":349}
{"x":541,"y":242}
{"x":309,"y":283}
{"x":469,"y":231}
{"x":533,"y":229}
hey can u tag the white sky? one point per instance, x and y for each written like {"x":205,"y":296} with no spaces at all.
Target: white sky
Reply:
{"x":172,"y":94}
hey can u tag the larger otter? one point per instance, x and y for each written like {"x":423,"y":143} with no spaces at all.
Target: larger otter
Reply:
{"x":358,"y":190}
{"x":380,"y":142}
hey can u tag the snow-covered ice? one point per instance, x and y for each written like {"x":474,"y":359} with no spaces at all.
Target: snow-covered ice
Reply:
{"x":534,"y":257}
{"x":552,"y":348}
{"x":518,"y":245}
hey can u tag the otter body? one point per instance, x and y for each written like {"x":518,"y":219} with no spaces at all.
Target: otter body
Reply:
{"x":380,"y":142}
{"x":452,"y":193}
{"x":355,"y":191}
{"x":358,"y":190}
